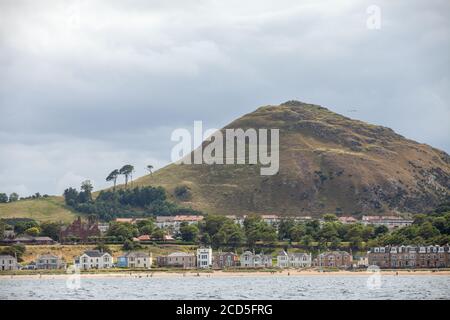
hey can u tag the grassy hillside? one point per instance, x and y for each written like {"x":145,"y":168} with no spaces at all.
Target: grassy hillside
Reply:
{"x":328,"y":163}
{"x":44,"y":209}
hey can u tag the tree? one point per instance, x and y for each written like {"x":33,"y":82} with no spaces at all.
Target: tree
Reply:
{"x":87,"y":188}
{"x":380,"y":230}
{"x":146,"y":226}
{"x":102,"y":247}
{"x":427,"y":230}
{"x":13,"y":197}
{"x":420,"y":219}
{"x":16,"y":250}
{"x":150,"y":169}
{"x":21,"y":226}
{"x":306,"y":240}
{"x":113,"y":177}
{"x":2,"y":228}
{"x":285,"y":229}
{"x":122,"y":230}
{"x":329,"y":217}
{"x":159,"y":234}
{"x":257,"y":229}
{"x":212,"y":224}
{"x":328,"y":232}
{"x":33,"y":231}
{"x":51,"y":229}
{"x":189,"y":232}
{"x":71,"y":196}
{"x":129,"y":245}
{"x":3,"y":198}
{"x":298,"y":232}
{"x":127,"y":171}
{"x":182,"y":192}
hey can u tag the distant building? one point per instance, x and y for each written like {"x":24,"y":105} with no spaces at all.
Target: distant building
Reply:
{"x":8,"y":262}
{"x":391,"y":222}
{"x":103,"y":227}
{"x":225,"y":260}
{"x":204,"y":258}
{"x":271,"y":219}
{"x":174,"y":222}
{"x":135,"y":260}
{"x":237,"y":219}
{"x":293,"y":260}
{"x":94,"y":259}
{"x":49,"y":261}
{"x":177,"y":259}
{"x":336,"y":259}
{"x":347,"y":219}
{"x":250,"y":260}
{"x":9,"y":234}
{"x":302,"y":218}
{"x":130,"y":220}
{"x":80,"y":230}
{"x":29,"y":240}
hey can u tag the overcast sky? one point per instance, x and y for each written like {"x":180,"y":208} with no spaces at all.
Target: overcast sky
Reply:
{"x":87,"y":86}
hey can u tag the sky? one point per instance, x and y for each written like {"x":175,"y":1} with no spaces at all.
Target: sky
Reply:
{"x":87,"y":86}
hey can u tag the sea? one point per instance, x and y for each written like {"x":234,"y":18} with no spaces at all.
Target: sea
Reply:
{"x":273,"y":287}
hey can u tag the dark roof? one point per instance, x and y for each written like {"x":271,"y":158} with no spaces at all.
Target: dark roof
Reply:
{"x":94,"y":253}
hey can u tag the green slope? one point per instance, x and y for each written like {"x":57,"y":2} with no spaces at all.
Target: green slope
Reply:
{"x":45,"y":209}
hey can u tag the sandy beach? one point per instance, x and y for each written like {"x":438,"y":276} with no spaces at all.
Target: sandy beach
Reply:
{"x":219,"y":273}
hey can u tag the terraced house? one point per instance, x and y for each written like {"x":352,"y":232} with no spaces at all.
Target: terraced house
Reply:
{"x":334,"y":259}
{"x":433,"y":256}
{"x":177,"y":259}
{"x":135,"y":260}
{"x":225,"y":260}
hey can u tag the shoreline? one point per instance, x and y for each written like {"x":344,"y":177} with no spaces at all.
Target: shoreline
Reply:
{"x":221,"y":274}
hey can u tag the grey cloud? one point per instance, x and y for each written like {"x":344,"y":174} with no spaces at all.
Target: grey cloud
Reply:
{"x":105,"y":82}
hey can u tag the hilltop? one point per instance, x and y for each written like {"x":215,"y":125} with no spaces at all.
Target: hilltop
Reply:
{"x":328,"y":163}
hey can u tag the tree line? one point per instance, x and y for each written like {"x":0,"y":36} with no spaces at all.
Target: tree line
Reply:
{"x":136,"y":202}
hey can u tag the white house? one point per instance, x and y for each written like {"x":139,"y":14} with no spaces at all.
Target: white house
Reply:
{"x":251,"y":260}
{"x":282,"y":259}
{"x":293,"y":260}
{"x":300,"y":260}
{"x":94,"y":259}
{"x":8,"y":262}
{"x":204,"y":257}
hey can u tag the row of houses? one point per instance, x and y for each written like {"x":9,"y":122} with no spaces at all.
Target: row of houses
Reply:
{"x":433,"y":256}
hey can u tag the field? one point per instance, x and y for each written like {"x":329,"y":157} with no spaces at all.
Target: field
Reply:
{"x":44,"y":209}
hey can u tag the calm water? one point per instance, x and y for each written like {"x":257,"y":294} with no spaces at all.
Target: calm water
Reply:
{"x":276,"y":287}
